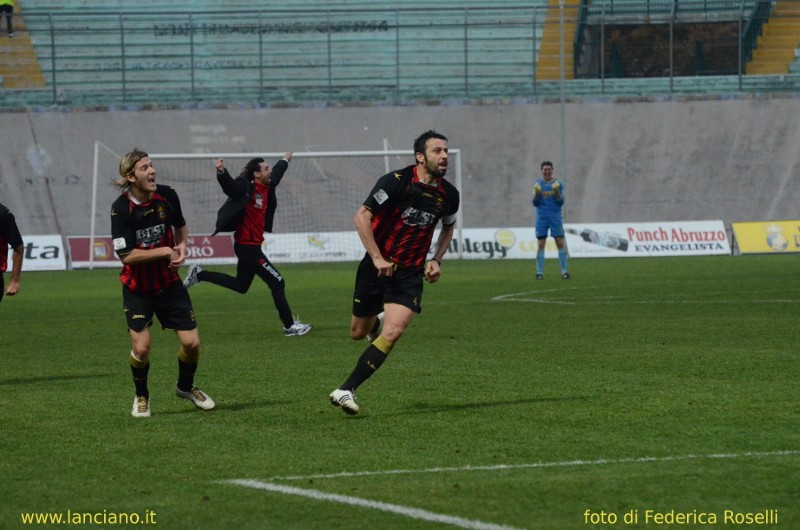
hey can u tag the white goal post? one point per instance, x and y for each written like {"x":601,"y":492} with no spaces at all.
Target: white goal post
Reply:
{"x":317,"y":198}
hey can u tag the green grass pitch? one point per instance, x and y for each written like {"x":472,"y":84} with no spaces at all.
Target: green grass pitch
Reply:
{"x":642,"y":386}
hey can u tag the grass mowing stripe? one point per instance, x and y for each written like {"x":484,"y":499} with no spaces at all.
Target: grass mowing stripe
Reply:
{"x":567,"y":463}
{"x":413,"y":513}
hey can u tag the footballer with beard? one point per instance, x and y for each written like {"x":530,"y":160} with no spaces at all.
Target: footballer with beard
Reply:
{"x":396,"y":224}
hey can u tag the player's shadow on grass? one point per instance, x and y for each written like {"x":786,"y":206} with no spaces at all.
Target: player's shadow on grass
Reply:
{"x":50,"y":379}
{"x":426,"y":408}
{"x":230,"y":407}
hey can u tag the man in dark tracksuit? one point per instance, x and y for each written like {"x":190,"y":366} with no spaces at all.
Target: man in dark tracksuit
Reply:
{"x":249,"y":212}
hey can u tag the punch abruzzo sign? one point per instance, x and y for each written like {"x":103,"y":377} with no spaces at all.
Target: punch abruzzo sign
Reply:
{"x":596,"y":240}
{"x":681,"y":238}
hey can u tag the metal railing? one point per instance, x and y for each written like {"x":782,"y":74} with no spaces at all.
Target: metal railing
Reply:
{"x":398,"y":56}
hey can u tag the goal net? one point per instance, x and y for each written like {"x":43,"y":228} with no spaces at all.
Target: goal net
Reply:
{"x":317,"y":197}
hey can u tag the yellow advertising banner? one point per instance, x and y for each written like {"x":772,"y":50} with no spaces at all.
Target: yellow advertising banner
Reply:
{"x":767,"y":237}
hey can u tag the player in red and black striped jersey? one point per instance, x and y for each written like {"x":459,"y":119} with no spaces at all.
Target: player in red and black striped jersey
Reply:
{"x":149,"y":235}
{"x":10,"y":237}
{"x":147,"y":225}
{"x":396,"y":225}
{"x":403,"y":228}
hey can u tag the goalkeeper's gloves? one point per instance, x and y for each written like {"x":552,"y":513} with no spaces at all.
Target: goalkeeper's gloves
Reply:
{"x":537,"y":189}
{"x":557,"y":186}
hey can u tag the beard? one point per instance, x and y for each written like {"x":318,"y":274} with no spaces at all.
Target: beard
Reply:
{"x":434,"y":170}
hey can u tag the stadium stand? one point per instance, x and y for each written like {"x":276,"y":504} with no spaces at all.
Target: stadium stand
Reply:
{"x":653,"y":9}
{"x":774,"y":44}
{"x":775,"y":49}
{"x":549,"y":63}
{"x":151,"y":6}
{"x":309,"y":52}
{"x":318,"y":54}
{"x":19,"y":67}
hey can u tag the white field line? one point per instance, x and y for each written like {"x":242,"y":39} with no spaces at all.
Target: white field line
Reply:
{"x":536,"y":297}
{"x":425,"y":515}
{"x":407,"y":511}
{"x":567,"y":463}
{"x":506,"y":298}
{"x":526,"y":297}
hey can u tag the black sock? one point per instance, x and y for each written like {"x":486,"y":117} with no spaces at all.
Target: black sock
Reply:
{"x":140,"y":380}
{"x":367,"y":364}
{"x":186,"y":375}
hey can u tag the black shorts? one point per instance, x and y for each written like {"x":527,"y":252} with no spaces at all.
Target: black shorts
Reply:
{"x":404,"y":287}
{"x":172,"y":306}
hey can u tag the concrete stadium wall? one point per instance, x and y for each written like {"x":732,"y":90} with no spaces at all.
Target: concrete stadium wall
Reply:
{"x":734,"y":159}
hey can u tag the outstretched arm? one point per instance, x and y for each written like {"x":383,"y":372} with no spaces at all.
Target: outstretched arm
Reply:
{"x":233,"y":188}
{"x":279,"y":169}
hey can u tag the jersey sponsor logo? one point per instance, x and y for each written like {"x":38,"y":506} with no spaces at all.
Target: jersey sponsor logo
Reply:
{"x":119,"y":243}
{"x":380,"y":196}
{"x":150,"y":236}
{"x":414,"y":217}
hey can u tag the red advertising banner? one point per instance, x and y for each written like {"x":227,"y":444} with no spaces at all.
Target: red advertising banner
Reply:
{"x":206,"y":248}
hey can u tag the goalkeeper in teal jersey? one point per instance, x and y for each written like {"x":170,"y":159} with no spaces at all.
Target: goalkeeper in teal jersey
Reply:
{"x":548,"y":198}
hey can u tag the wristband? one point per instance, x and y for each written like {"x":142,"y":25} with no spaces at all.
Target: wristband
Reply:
{"x":437,"y":261}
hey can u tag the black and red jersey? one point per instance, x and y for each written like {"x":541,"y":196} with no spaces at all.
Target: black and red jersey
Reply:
{"x":9,"y":235}
{"x":146,"y":226}
{"x":249,"y":210}
{"x":250,"y":226}
{"x":405,"y":213}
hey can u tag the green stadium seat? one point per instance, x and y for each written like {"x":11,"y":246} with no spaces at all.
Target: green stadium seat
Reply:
{"x":274,"y":56}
